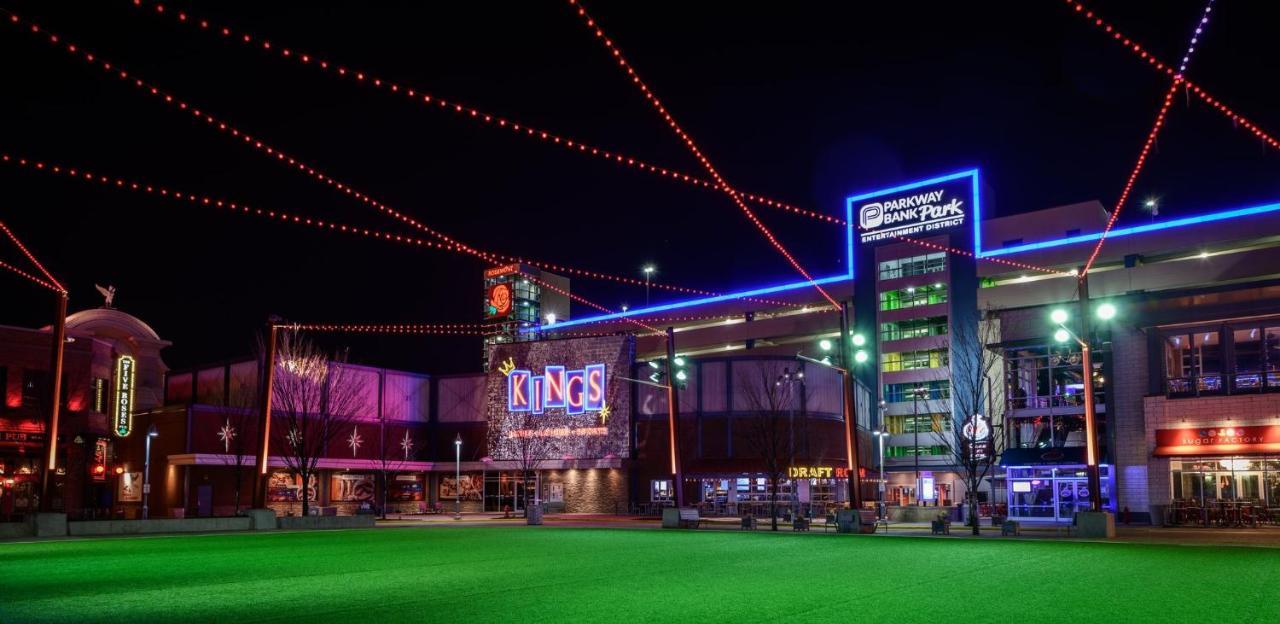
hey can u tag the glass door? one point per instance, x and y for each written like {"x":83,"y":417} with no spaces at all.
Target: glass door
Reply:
{"x":1073,"y":496}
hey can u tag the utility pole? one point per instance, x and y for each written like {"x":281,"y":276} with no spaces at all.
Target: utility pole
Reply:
{"x":673,"y":416}
{"x":264,"y":416}
{"x":1090,"y":417}
{"x":850,"y":410}
{"x":915,"y":428}
{"x":55,"y":403}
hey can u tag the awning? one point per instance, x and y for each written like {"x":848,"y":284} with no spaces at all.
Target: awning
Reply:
{"x":1054,"y":456}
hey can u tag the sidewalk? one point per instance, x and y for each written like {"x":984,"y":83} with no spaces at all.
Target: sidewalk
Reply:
{"x":1268,"y":537}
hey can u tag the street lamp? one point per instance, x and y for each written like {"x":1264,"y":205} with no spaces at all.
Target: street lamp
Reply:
{"x":1105,"y":312}
{"x":146,"y":471}
{"x":457,"y":477}
{"x":648,"y":273}
{"x":880,"y":436}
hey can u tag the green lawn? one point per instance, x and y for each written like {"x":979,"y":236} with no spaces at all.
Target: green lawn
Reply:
{"x":624,"y":576}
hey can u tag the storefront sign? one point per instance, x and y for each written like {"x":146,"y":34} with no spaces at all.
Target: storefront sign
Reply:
{"x":125,"y":377}
{"x":574,"y":391}
{"x":817,"y":472}
{"x":911,"y":211}
{"x":20,"y":438}
{"x":1218,"y":440}
{"x":499,"y":271}
{"x":99,"y":469}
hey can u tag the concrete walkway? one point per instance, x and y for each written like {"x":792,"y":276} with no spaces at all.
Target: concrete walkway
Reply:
{"x":1260,"y":537}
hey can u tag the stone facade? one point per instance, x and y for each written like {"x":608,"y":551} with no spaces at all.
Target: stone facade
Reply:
{"x":1127,"y":417}
{"x":601,"y":490}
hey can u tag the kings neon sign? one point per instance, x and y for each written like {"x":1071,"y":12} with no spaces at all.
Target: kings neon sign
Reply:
{"x":574,"y":391}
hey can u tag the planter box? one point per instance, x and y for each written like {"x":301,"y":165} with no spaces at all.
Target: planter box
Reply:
{"x":327,"y":522}
{"x":157,"y":525}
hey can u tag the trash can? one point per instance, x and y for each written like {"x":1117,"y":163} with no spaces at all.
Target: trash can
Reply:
{"x":846,"y":521}
{"x":534,"y":515}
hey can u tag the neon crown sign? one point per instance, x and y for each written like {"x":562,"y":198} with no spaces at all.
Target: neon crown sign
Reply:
{"x":574,"y":391}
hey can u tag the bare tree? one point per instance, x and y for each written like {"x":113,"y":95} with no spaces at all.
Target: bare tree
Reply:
{"x":773,"y":398}
{"x":977,"y":396}
{"x":240,"y":414}
{"x":393,"y":452}
{"x":314,"y":398}
{"x":529,"y":439}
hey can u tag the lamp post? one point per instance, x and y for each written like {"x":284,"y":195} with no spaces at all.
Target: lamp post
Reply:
{"x":146,"y":471}
{"x":457,"y":477}
{"x":915,"y":429}
{"x":1105,"y":312}
{"x":648,"y":273}
{"x":880,"y":436}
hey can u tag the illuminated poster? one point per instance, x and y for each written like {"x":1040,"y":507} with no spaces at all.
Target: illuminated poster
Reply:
{"x":130,"y":487}
{"x":407,"y":488}
{"x":351,"y":487}
{"x":284,"y":487}
{"x":472,"y":487}
{"x":560,"y":399}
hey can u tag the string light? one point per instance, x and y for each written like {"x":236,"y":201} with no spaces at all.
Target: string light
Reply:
{"x":204,"y":200}
{"x":1138,"y":50}
{"x":294,"y":163}
{"x":697,"y":153}
{"x":1133,"y":175}
{"x":1151,"y":139}
{"x":33,"y":278}
{"x":467,"y":112}
{"x":51,"y":280}
{"x":584,"y":301}
{"x":458,"y":329}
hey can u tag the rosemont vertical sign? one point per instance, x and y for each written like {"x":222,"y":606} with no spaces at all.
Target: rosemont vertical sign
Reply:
{"x":125,"y":377}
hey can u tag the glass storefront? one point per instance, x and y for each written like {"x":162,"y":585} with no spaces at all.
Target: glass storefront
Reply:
{"x":739,"y":495}
{"x":1053,"y":493}
{"x":1253,"y":479}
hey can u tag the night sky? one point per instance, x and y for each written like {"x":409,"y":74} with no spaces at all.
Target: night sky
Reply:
{"x":805,"y":102}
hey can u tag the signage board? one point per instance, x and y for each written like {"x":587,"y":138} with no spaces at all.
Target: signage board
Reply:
{"x":923,"y":209}
{"x":565,"y":398}
{"x":817,"y":472}
{"x":1232,"y":440}
{"x":498,"y":271}
{"x":927,"y":490}
{"x":126,"y":375}
{"x":499,"y":301}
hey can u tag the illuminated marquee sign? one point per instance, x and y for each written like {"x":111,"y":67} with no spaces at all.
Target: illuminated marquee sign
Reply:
{"x":922,"y":209}
{"x":1218,"y":440}
{"x":817,"y":472}
{"x":574,"y":391}
{"x":125,"y":377}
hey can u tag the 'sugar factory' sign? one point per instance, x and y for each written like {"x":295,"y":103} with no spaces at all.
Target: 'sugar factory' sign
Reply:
{"x":926,"y":209}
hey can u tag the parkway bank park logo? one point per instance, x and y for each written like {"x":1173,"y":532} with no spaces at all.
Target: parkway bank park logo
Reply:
{"x":922,"y":211}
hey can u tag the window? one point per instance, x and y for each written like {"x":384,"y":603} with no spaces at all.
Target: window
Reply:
{"x":912,"y":296}
{"x":915,"y":265}
{"x":1040,"y":376}
{"x":1250,"y":359}
{"x":660,"y":490}
{"x":929,"y":390}
{"x":913,"y":360}
{"x":1193,"y":362}
{"x":912,"y":451}
{"x":918,"y":423}
{"x":1046,"y":431}
{"x":914,"y":328}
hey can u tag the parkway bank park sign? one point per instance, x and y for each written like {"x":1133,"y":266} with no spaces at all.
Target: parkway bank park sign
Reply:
{"x":930,"y":207}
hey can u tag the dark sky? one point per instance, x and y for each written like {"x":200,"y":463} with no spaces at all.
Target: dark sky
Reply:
{"x":805,"y":102}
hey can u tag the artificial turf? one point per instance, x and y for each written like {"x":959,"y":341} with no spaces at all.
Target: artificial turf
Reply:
{"x":543,"y":574}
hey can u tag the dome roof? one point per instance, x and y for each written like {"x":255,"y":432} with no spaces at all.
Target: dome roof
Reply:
{"x":110,"y":323}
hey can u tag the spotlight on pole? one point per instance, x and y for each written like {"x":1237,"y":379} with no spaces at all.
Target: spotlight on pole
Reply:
{"x":1062,"y":335}
{"x":1059,"y":316}
{"x":1106,"y":311}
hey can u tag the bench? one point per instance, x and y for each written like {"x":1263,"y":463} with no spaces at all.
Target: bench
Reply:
{"x":749,"y":523}
{"x":800,"y":523}
{"x":940,"y":527}
{"x":689,"y":518}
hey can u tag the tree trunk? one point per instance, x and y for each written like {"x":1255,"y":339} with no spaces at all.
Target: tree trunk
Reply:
{"x":773,"y":505}
{"x":384,"y":496}
{"x":306,"y":500}
{"x":973,"y":514}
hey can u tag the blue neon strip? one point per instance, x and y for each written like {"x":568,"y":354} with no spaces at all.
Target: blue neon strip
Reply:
{"x":913,"y":185}
{"x":1136,"y":229}
{"x":641,"y":312}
